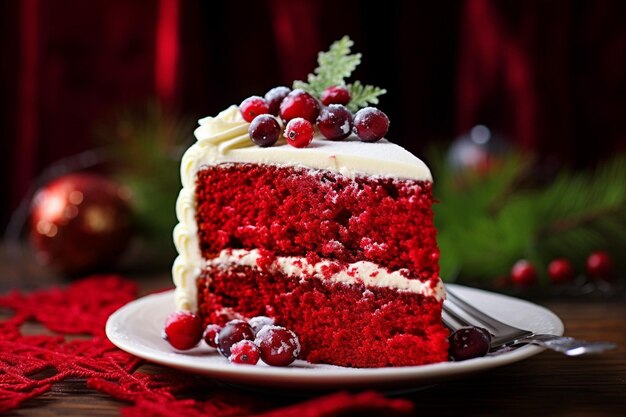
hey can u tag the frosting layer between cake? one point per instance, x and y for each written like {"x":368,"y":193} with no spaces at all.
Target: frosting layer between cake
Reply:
{"x":368,"y":273}
{"x":365,"y":272}
{"x":225,"y":139}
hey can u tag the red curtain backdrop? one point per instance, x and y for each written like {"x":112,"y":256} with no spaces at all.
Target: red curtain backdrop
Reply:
{"x":550,"y":76}
{"x":166,"y":49}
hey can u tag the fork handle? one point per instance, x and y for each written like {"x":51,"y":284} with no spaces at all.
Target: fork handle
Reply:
{"x":567,"y":345}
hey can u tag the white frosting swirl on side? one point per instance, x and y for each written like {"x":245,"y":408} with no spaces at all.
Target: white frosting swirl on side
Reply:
{"x":225,"y":139}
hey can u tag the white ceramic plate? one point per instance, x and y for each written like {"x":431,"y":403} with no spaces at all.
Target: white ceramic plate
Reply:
{"x":136,"y":328}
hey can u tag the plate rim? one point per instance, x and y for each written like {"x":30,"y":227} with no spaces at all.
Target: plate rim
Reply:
{"x":332,"y":376}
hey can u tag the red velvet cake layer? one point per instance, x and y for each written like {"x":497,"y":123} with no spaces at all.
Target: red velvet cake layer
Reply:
{"x":348,"y":325}
{"x":303,"y":212}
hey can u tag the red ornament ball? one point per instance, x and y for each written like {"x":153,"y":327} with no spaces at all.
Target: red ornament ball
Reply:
{"x":600,"y":265}
{"x":523,"y":273}
{"x":80,"y":223}
{"x":560,"y":270}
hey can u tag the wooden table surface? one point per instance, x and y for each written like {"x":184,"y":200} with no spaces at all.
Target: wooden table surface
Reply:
{"x":548,"y":384}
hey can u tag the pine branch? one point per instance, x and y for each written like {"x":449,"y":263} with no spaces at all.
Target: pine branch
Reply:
{"x":363,"y":95}
{"x":333,"y":67}
{"x":578,"y":220}
{"x":584,"y":212}
{"x":487,"y":222}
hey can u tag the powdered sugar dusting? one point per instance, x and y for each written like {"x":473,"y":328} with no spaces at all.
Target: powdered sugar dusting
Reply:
{"x":267,"y":333}
{"x":259,"y":322}
{"x":345,"y":127}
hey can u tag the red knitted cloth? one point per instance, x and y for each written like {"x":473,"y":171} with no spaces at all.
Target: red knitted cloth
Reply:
{"x":31,"y":364}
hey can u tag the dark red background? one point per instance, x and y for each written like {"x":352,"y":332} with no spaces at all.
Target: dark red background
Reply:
{"x":551,"y":76}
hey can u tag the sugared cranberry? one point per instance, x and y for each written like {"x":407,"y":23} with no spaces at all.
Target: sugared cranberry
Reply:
{"x":523,"y":273}
{"x":560,"y":270}
{"x":335,"y":122}
{"x":264,"y":130}
{"x":258,"y":322}
{"x":252,"y":107}
{"x":183,"y":330}
{"x":468,"y":343}
{"x":276,"y":96}
{"x":370,"y":124}
{"x":244,"y":352}
{"x":600,"y":265}
{"x":278,"y":346}
{"x":210,"y":334}
{"x":234,"y":331}
{"x":299,"y":132}
{"x":299,"y":103}
{"x":337,"y":94}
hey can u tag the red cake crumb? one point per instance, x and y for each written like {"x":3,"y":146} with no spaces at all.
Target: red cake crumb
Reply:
{"x":303,"y":212}
{"x":320,"y":215}
{"x":344,"y":325}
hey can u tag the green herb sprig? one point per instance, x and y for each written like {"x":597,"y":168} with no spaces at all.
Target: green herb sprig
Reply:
{"x":334,"y":66}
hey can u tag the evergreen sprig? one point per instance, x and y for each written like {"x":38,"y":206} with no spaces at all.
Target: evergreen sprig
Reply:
{"x":334,"y":67}
{"x":486,"y":222}
{"x":363,"y":95}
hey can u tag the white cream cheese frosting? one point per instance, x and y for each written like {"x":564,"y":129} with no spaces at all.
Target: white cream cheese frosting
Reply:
{"x":364,"y":272}
{"x":224,"y":139}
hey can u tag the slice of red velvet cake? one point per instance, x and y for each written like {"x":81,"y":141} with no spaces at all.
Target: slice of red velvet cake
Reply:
{"x":334,"y":241}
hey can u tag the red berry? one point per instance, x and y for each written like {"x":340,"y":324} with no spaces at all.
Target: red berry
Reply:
{"x":523,"y":273}
{"x":264,"y":130}
{"x":258,"y":322}
{"x":252,"y":107}
{"x":370,"y":124}
{"x":277,"y":345}
{"x":244,"y":352}
{"x":336,"y":94}
{"x":299,"y":103}
{"x":335,"y":122}
{"x":276,"y":96}
{"x":183,"y":330}
{"x":560,"y":270}
{"x":210,"y":334}
{"x":299,"y":132}
{"x":469,"y":342}
{"x":234,"y":331}
{"x":600,"y":265}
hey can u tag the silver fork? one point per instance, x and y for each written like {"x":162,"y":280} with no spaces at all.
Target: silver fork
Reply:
{"x":458,"y":313}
